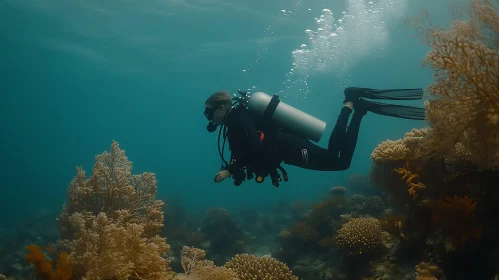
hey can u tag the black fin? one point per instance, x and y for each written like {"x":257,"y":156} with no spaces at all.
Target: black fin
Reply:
{"x":353,"y":93}
{"x":392,"y":110}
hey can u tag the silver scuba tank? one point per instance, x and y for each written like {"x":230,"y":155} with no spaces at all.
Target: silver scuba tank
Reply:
{"x":286,"y":116}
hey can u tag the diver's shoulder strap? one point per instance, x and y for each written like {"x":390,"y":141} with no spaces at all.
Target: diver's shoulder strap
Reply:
{"x":269,"y":111}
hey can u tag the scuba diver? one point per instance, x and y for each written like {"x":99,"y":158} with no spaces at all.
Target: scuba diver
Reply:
{"x":264,"y":132}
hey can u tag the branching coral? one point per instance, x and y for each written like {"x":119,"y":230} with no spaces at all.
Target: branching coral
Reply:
{"x":390,"y":151}
{"x":465,"y":104}
{"x":112,"y":188}
{"x":110,"y":222}
{"x":250,"y":267}
{"x":360,"y":236}
{"x":411,"y":147}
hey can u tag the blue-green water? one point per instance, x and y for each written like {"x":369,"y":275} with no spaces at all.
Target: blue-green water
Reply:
{"x":76,"y":75}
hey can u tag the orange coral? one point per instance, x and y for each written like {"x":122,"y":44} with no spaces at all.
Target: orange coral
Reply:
{"x":458,"y":214}
{"x":44,"y":268}
{"x":408,"y":176}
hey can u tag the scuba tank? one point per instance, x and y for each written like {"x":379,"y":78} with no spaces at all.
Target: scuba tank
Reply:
{"x":282,"y":114}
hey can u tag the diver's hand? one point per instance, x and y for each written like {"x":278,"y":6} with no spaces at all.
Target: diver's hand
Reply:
{"x":222,"y":175}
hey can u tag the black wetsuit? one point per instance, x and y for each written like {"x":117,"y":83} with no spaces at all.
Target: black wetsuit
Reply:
{"x":280,"y":145}
{"x":244,"y":140}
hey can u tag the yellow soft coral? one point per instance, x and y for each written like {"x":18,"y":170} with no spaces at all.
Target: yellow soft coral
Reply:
{"x":409,"y":177}
{"x":111,"y":188}
{"x":107,"y":248}
{"x":465,"y":103}
{"x":111,"y":221}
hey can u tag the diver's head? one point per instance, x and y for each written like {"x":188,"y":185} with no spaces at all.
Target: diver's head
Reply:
{"x":217,"y":106}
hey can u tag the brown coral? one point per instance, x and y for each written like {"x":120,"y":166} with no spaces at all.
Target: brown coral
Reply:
{"x":465,"y":104}
{"x":360,"y":236}
{"x":250,"y":267}
{"x":458,"y":214}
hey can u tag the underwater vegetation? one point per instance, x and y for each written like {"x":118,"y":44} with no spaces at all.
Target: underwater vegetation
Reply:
{"x":428,"y":209}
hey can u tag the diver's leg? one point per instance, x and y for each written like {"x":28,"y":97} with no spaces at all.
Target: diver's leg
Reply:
{"x":337,"y":138}
{"x":302,"y":153}
{"x":350,"y":141}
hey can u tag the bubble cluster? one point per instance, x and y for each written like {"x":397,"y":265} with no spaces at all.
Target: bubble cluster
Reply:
{"x":334,"y":45}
